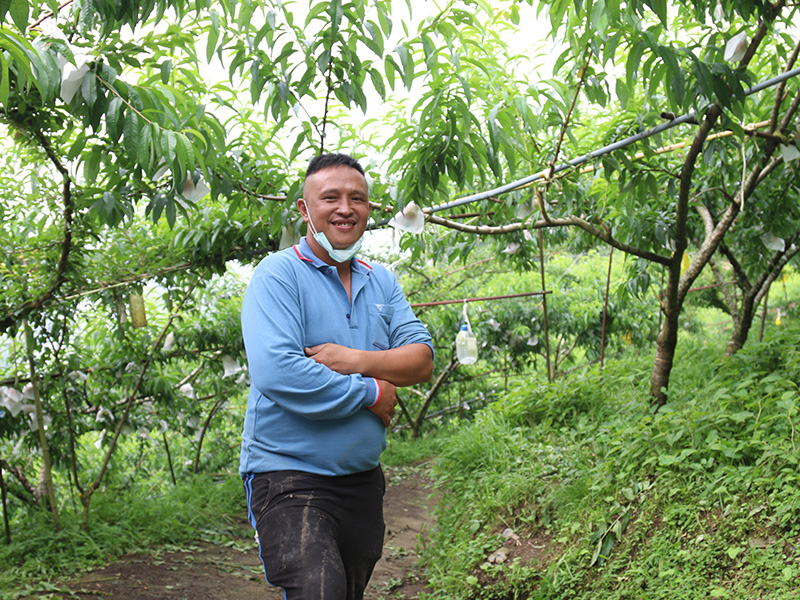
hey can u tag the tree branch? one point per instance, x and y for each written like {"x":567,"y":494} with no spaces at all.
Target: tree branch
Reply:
{"x":776,"y":264}
{"x":603,"y":234}
{"x":682,"y":283}
{"x":328,"y":92}
{"x":132,"y":396}
{"x":782,"y":86}
{"x":23,"y":310}
{"x":36,"y":24}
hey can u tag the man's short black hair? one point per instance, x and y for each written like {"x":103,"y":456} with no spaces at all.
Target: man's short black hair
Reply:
{"x":334,"y":159}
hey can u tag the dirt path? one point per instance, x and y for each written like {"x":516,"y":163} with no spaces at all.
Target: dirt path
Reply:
{"x":234,"y":571}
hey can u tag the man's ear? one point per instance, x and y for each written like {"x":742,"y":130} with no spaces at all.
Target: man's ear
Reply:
{"x":303,"y":208}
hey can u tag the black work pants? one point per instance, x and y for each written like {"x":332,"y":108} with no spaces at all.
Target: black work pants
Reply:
{"x":319,"y":536}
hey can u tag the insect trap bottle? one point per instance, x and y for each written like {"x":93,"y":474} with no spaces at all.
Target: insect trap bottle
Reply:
{"x":466,"y":345}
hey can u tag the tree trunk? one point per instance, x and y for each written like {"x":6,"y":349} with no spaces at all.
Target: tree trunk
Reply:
{"x":6,"y":525}
{"x":742,"y":324}
{"x":416,"y":424}
{"x":665,"y":354}
{"x":46,"y":472}
{"x":169,"y":458}
{"x":753,"y":295}
{"x":217,"y":405}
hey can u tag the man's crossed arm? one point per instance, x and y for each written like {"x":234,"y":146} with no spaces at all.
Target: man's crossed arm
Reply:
{"x":396,"y":367}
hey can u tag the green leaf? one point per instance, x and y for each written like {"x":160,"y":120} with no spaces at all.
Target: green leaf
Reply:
{"x":89,"y":88}
{"x":170,"y":212}
{"x":734,"y":551}
{"x":622,"y":93}
{"x":598,"y":17}
{"x":335,"y":12}
{"x":660,"y":8}
{"x":181,"y":160}
{"x":91,"y":165}
{"x":634,"y":61}
{"x":166,"y":71}
{"x":375,"y":41}
{"x":315,"y":11}
{"x":4,"y":79}
{"x":145,"y":155}
{"x":113,"y":113}
{"x":132,"y":135}
{"x":390,"y":66}
{"x":385,"y":20}
{"x":407,"y":61}
{"x":168,"y":146}
{"x":213,"y":35}
{"x":377,"y":82}
{"x":402,"y":52}
{"x":87,"y":16}
{"x":19,"y":13}
{"x":77,"y":147}
{"x":4,"y":6}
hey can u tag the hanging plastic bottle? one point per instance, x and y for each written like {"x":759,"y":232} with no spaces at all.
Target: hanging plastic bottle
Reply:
{"x":466,"y":346}
{"x":466,"y":342}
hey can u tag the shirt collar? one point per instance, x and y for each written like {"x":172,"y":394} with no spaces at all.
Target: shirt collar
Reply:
{"x":304,"y":252}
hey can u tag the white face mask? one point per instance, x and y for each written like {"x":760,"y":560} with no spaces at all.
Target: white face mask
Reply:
{"x":336,"y":254}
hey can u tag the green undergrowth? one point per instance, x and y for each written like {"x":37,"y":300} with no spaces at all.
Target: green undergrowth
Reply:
{"x":699,"y":499}
{"x":137,"y":520}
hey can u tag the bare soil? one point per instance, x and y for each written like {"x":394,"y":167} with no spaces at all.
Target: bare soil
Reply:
{"x":233,"y":571}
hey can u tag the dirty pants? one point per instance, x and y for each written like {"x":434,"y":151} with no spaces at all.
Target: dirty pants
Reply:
{"x":319,"y":536}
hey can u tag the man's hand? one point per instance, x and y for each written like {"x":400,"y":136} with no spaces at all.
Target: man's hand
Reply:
{"x":385,"y":407}
{"x":347,"y":361}
{"x":337,"y":358}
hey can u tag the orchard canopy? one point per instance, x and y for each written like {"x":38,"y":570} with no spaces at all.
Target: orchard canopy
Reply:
{"x":158,"y":142}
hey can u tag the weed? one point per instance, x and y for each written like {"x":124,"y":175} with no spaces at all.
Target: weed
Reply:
{"x":699,"y":499}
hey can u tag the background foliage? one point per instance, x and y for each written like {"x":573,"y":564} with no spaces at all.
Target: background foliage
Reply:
{"x":154,"y":150}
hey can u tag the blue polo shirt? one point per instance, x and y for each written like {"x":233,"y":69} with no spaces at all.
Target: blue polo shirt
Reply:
{"x":302,"y":415}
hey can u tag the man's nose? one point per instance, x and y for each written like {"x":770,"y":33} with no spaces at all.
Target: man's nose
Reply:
{"x":345,"y":205}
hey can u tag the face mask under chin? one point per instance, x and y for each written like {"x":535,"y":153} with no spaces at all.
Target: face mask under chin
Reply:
{"x":339,"y":255}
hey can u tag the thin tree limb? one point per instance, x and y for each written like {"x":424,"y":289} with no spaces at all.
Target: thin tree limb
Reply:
{"x":132,"y":396}
{"x":23,"y":310}
{"x":602,"y":234}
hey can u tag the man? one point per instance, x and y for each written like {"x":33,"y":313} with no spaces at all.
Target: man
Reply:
{"x":328,"y":338}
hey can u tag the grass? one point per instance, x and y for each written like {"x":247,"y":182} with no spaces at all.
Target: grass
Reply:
{"x":201,"y":508}
{"x":697,"y":500}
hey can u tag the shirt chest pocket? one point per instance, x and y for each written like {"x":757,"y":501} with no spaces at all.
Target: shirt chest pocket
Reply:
{"x":380,"y":319}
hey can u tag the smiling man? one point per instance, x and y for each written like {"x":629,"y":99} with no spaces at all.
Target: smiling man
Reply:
{"x":328,"y":339}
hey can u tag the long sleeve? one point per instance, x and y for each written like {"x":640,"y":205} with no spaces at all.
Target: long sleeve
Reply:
{"x":274,"y":336}
{"x":300,"y":414}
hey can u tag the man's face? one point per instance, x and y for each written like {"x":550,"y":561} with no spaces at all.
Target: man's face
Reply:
{"x":338,"y":200}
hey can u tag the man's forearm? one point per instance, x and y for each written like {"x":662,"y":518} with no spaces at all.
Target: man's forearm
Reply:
{"x":405,"y":365}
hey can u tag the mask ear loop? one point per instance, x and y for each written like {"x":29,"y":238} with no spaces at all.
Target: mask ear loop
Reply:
{"x":310,"y":222}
